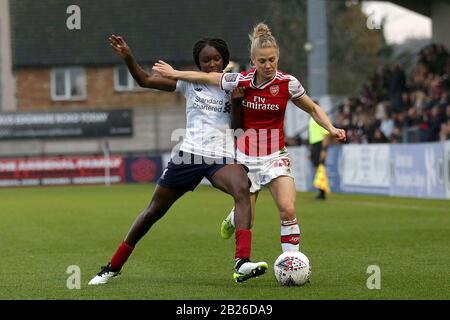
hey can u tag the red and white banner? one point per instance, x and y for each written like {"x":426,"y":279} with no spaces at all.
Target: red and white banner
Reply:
{"x":61,"y":171}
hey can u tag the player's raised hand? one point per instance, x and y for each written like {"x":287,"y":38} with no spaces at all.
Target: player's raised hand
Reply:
{"x":237,"y":93}
{"x":120,"y":46}
{"x":339,"y":134}
{"x":164,"y":69}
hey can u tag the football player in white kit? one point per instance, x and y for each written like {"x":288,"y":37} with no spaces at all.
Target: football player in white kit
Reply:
{"x":206,"y":151}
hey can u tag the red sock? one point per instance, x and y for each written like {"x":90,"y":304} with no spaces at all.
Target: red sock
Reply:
{"x":243,"y":244}
{"x":121,"y":256}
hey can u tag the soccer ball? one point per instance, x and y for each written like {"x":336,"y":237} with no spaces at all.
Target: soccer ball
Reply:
{"x":292,"y":268}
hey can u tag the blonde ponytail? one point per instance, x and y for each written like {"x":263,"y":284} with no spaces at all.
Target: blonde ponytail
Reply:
{"x":262,"y":38}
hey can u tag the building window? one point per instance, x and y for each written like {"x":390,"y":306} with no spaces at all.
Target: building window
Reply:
{"x":124,"y":81}
{"x":68,"y":84}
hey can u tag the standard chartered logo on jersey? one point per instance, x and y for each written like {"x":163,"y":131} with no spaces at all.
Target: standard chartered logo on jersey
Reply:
{"x":211,"y":104}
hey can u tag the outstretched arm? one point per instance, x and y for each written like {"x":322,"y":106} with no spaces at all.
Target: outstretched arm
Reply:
{"x":306,"y":104}
{"x":166,"y":70}
{"x":153,"y":80}
{"x":237,"y":95}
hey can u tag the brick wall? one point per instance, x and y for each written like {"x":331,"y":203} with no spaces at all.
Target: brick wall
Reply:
{"x":156,"y":114}
{"x":34,"y":92}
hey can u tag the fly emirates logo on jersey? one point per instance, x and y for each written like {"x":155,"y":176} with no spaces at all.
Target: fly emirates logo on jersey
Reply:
{"x":260,"y":103}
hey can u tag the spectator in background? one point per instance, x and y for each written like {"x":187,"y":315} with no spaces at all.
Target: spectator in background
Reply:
{"x":396,"y":88}
{"x":396,"y":136}
{"x":378,"y":136}
{"x":436,"y":119}
{"x":445,"y":98}
{"x":444,"y":133}
{"x":410,"y":101}
{"x":387,"y":124}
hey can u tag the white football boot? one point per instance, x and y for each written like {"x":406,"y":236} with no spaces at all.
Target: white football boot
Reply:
{"x":245,"y":269}
{"x":105,"y":274}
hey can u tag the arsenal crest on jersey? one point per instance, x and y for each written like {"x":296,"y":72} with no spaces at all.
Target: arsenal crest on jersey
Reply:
{"x":274,"y":90}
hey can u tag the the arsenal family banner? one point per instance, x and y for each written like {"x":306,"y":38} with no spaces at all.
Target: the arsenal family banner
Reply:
{"x":75,"y":124}
{"x":79,"y":170}
{"x":61,"y":171}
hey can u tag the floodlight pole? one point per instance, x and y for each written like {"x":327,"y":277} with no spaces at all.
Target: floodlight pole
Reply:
{"x":317,"y":48}
{"x":106,"y":157}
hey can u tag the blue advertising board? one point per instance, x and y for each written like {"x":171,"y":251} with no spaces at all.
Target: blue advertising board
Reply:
{"x":332,"y":164}
{"x":417,"y":170}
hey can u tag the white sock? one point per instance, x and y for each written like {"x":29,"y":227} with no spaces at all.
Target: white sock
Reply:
{"x":290,"y":235}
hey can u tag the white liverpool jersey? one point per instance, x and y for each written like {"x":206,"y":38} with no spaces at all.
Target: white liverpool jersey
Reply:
{"x":208,"y":120}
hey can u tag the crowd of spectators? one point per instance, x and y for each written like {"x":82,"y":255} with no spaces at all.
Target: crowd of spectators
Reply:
{"x":397,"y":107}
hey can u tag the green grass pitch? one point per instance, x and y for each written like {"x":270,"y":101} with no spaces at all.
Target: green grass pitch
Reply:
{"x":45,"y":230}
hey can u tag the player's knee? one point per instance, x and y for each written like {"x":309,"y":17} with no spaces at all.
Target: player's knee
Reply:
{"x":287,"y":212}
{"x":241,"y":190}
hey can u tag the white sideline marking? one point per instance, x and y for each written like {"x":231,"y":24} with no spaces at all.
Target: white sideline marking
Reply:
{"x":395,"y":206}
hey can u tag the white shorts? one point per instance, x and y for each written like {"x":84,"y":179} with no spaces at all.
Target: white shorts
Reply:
{"x":264,"y":169}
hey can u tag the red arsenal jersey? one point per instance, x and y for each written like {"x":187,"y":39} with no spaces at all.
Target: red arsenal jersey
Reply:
{"x":263,"y":109}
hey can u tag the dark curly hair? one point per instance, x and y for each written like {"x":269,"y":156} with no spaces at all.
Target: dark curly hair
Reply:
{"x":219,"y":44}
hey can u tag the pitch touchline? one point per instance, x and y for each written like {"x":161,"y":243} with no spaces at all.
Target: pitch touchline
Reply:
{"x":398,"y":206}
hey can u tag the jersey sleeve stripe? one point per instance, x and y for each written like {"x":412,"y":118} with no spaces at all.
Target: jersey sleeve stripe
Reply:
{"x":299,"y":96}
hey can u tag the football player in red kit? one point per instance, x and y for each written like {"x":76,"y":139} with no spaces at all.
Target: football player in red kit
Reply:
{"x":261,"y":148}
